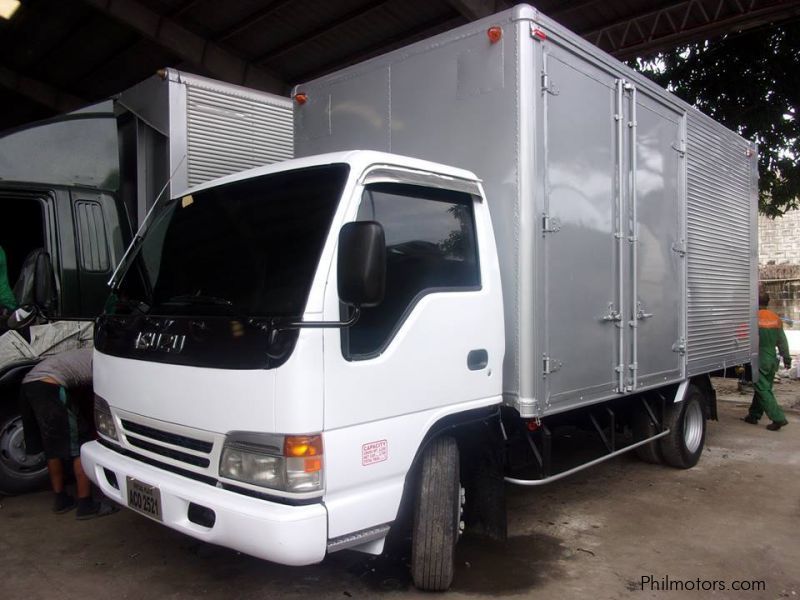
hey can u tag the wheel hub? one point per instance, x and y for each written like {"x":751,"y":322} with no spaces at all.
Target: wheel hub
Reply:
{"x":12,"y":449}
{"x":693,"y":426}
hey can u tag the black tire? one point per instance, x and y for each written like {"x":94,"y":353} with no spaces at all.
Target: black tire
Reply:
{"x":18,"y":473}
{"x":643,"y":428}
{"x":437,"y":512}
{"x":683,"y":445}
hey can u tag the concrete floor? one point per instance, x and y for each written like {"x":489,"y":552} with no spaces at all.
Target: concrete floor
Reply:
{"x":736,"y":516}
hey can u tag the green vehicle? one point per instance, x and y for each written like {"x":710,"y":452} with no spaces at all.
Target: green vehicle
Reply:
{"x":63,"y":229}
{"x":74,"y":188}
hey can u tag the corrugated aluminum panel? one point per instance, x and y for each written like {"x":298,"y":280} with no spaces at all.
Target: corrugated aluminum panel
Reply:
{"x":721,"y":242}
{"x":227,"y":133}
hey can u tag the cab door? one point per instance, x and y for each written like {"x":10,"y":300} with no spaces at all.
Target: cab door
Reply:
{"x":434,"y":346}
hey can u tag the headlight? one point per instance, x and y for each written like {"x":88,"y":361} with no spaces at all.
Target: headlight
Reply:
{"x":287,"y":463}
{"x":250,"y":466}
{"x":103,"y":421}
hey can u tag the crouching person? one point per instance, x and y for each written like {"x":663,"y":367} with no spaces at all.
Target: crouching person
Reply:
{"x":60,"y":427}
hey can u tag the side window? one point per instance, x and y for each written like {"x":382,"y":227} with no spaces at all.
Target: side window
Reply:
{"x":92,"y":237}
{"x":430,"y":247}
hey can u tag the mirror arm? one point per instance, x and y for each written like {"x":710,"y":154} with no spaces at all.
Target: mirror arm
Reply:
{"x":324,"y":324}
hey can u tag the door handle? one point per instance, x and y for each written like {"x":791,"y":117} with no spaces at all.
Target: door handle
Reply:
{"x":477,"y":359}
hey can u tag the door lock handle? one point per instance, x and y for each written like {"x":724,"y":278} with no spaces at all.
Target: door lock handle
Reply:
{"x":477,"y":359}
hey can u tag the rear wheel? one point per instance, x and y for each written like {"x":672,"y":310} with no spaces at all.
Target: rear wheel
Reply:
{"x":686,"y":420}
{"x":437,"y":513}
{"x":19,"y":473}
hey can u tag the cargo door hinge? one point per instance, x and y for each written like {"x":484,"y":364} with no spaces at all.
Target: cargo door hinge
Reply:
{"x":679,"y":248}
{"x":550,"y":224}
{"x":549,"y":365}
{"x":548,"y":86}
{"x":679,"y":346}
{"x":680,"y":148}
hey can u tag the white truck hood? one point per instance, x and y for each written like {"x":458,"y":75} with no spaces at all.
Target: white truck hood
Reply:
{"x":214,"y":400}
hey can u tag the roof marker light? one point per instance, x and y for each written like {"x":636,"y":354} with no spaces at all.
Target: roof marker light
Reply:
{"x":539,"y":34}
{"x":301,"y":97}
{"x":495,"y":34}
{"x":8,"y":8}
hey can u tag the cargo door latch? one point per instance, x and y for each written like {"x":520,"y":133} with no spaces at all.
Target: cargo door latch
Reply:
{"x":679,"y":248}
{"x":613,"y":315}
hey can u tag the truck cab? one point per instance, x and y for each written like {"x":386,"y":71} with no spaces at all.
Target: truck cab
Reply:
{"x":286,"y":344}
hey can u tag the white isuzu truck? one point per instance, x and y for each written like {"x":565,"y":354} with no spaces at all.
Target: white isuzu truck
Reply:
{"x":489,"y":237}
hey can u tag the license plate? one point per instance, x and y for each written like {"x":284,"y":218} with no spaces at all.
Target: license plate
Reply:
{"x":144,"y":498}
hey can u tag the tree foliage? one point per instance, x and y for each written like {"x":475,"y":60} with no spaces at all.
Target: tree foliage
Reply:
{"x":750,"y":82}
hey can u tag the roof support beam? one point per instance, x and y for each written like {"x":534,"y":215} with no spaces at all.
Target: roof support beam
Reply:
{"x":319,"y":31}
{"x":560,"y":11}
{"x":253,"y":19}
{"x":685,"y":21}
{"x":38,"y":91}
{"x":189,"y":46}
{"x":477,"y":9}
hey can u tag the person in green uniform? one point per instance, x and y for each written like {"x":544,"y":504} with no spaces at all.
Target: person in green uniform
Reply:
{"x":770,"y":335}
{"x":7,"y":299}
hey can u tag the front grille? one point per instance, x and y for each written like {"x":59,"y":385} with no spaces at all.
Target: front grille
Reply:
{"x":135,"y":432}
{"x":169,"y":452}
{"x":169,"y":438}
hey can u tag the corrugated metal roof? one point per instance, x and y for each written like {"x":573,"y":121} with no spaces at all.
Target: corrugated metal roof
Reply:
{"x":56,"y":53}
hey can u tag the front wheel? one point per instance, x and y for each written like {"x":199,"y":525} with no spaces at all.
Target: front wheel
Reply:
{"x":437,"y":513}
{"x":686,"y":420}
{"x":19,"y":473}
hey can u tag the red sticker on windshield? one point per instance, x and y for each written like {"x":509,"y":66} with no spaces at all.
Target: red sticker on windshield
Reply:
{"x":374,"y":452}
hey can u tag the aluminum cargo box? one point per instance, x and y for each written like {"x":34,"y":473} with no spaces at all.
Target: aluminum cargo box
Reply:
{"x":625,"y":219}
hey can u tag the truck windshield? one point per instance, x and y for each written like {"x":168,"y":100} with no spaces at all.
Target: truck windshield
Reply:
{"x":246,"y":248}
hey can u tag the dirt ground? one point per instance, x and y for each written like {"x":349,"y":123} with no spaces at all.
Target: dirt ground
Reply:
{"x":599,"y":534}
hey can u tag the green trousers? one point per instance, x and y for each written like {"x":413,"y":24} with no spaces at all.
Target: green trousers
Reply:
{"x":764,"y":400}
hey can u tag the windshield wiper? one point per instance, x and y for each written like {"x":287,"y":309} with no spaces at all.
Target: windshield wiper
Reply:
{"x":133,"y":249}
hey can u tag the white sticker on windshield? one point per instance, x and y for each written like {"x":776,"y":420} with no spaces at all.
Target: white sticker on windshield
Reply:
{"x":186,"y":201}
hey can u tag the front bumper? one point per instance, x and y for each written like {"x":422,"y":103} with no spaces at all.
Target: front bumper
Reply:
{"x":290,"y":535}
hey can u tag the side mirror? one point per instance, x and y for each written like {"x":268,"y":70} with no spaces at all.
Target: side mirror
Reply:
{"x":362,"y":263}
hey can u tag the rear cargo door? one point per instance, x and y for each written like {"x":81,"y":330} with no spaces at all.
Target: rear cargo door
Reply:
{"x":580,"y":248}
{"x":655,"y":199}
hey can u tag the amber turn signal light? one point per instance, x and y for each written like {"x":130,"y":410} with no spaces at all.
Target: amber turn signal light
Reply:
{"x":302,"y":445}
